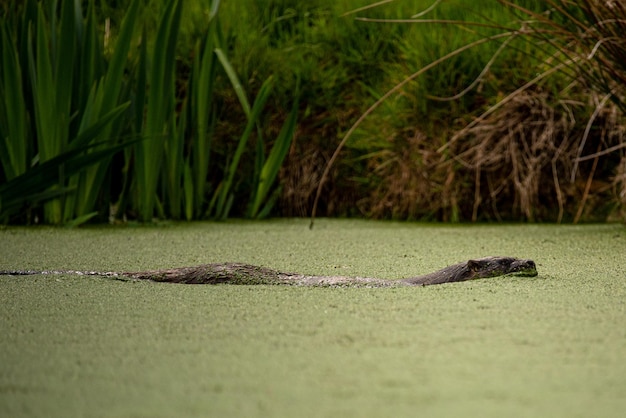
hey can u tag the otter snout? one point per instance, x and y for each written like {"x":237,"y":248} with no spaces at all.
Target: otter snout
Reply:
{"x":525,"y":268}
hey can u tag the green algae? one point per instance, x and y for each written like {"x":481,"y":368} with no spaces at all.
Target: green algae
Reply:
{"x":552,"y":345}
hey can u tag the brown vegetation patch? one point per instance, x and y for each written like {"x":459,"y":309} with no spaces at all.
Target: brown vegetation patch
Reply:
{"x":519,"y":157}
{"x":410,"y":181}
{"x":536,"y":158}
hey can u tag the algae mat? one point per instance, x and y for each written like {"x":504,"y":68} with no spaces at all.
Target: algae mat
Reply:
{"x":552,"y":345}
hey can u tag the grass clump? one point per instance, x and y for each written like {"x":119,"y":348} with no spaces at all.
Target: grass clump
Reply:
{"x":526,"y":140}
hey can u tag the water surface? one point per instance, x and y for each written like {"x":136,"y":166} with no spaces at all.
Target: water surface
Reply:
{"x":552,"y":345}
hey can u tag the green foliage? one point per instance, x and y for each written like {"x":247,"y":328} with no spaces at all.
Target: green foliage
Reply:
{"x":517,"y":140}
{"x":36,"y":184}
{"x":67,"y":102}
{"x":159,"y":126}
{"x":62,"y":126}
{"x":202,"y":87}
{"x":102,"y":97}
{"x":270,"y":167}
{"x":14,"y":151}
{"x":224,"y":197}
{"x":210,"y":93}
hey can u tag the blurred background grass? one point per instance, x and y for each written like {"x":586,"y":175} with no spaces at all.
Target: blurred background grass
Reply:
{"x":413,"y":157}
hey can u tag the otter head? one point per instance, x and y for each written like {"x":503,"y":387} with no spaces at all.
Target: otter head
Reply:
{"x":500,"y":266}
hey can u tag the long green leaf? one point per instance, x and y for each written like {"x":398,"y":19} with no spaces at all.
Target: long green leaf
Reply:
{"x":34,"y":185}
{"x":40,"y":70}
{"x":64,"y":54}
{"x":13,"y":140}
{"x":188,"y":192}
{"x":50,"y":125}
{"x":234,"y":80}
{"x":80,"y":220}
{"x":64,"y":58}
{"x":115,"y":72}
{"x":174,"y":165}
{"x":275,"y":159}
{"x":215,"y":5}
{"x":101,"y":109}
{"x":90,"y":62}
{"x":203,"y":116}
{"x":160,"y":104}
{"x":93,"y":131}
{"x":223,"y":205}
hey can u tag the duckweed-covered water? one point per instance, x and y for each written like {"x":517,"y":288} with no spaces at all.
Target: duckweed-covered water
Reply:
{"x":552,"y":345}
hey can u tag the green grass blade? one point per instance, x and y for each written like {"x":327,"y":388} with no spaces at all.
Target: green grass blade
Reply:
{"x":101,"y":119}
{"x":90,"y":63}
{"x":115,"y":72}
{"x":64,"y":66}
{"x":174,"y":163}
{"x":269,"y":203}
{"x":275,"y":159}
{"x":13,"y":132}
{"x":40,"y":69}
{"x":142,"y":84}
{"x":34,"y":185}
{"x":234,"y":80}
{"x":160,"y":104}
{"x":203,"y":116}
{"x":50,"y":125}
{"x":93,"y":131}
{"x":215,"y":5}
{"x":80,"y":220}
{"x":188,"y":191}
{"x":225,"y":191}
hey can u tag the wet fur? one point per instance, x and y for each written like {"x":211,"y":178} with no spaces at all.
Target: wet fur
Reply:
{"x":246,"y":274}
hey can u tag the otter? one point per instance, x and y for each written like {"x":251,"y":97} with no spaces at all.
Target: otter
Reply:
{"x":246,"y":274}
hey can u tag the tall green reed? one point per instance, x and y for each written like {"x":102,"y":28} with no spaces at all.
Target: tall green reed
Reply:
{"x":177,"y":145}
{"x":63,"y":123}
{"x":262,"y":199}
{"x":266,"y":167}
{"x":14,"y":149}
{"x":103,"y":90}
{"x":202,"y":114}
{"x":158,"y":126}
{"x":66,"y":102}
{"x":51,"y":65}
{"x":224,"y":196}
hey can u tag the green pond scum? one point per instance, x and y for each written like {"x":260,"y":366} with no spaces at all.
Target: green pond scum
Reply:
{"x":550,"y":345}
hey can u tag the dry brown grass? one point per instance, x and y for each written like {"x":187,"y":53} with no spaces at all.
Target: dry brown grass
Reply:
{"x":536,"y":158}
{"x":537,"y":154}
{"x":408,"y":180}
{"x":524,"y":159}
{"x":300,"y":176}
